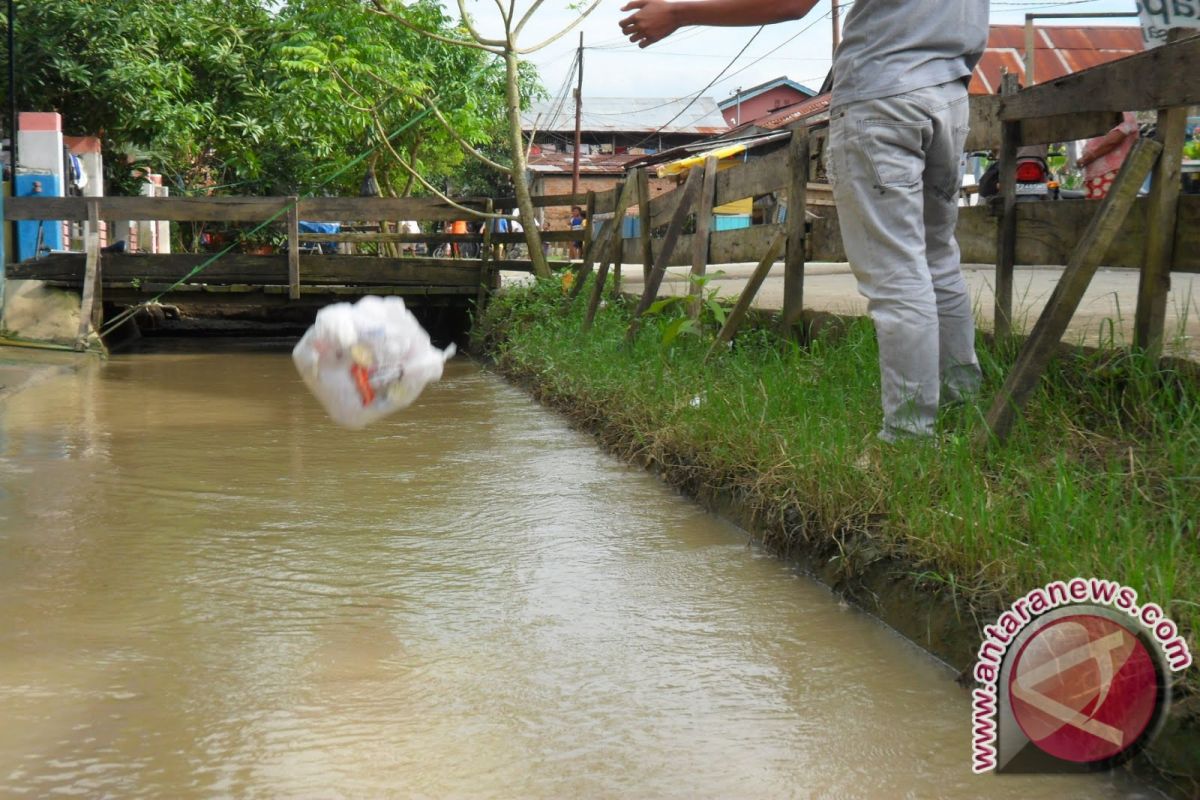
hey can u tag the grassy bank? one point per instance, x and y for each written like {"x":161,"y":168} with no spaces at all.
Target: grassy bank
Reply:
{"x":1102,"y":478}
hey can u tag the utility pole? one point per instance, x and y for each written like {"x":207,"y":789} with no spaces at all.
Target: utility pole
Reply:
{"x":578,"y":118}
{"x":12,"y":88}
{"x":837,"y":27}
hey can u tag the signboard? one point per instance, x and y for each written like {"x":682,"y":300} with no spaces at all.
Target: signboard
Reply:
{"x":1159,"y":16}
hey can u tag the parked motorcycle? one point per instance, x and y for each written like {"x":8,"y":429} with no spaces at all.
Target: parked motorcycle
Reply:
{"x":1033,"y":182}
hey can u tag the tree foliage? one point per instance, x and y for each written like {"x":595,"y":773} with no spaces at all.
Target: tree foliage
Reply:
{"x":260,"y":100}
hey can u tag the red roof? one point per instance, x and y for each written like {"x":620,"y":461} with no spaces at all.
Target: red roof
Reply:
{"x":1057,"y":51}
{"x":793,"y":113}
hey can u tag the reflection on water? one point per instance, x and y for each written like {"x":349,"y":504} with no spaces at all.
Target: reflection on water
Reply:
{"x":206,"y":589}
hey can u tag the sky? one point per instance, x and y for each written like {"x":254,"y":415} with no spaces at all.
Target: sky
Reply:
{"x":684,"y":63}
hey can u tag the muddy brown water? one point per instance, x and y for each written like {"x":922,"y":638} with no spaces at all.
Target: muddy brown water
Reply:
{"x":208,"y":590}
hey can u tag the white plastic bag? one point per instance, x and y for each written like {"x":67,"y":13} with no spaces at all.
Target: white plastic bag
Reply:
{"x":367,"y":360}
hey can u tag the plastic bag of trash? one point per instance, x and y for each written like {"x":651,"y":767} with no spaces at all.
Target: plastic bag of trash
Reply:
{"x":367,"y":360}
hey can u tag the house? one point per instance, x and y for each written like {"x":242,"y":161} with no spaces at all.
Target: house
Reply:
{"x":747,"y":105}
{"x":1057,"y":51}
{"x":614,"y":132}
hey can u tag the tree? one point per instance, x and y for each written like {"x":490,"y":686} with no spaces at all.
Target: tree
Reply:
{"x":184,"y":85}
{"x":509,"y":48}
{"x":354,"y":83}
{"x":229,"y":93}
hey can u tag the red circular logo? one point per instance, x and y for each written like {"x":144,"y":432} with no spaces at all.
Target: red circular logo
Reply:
{"x":1083,"y":688}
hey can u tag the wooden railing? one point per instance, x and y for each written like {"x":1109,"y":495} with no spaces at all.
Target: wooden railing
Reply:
{"x":137,"y":277}
{"x":1155,"y":234}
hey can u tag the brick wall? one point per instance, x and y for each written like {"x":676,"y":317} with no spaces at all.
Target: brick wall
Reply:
{"x":559,"y":217}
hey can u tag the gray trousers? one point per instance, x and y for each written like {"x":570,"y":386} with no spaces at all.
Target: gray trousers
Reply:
{"x":895,"y":165}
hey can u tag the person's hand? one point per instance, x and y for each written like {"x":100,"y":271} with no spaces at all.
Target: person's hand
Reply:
{"x":652,"y":21}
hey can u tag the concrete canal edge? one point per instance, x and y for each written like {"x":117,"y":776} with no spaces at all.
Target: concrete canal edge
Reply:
{"x":864,"y":570}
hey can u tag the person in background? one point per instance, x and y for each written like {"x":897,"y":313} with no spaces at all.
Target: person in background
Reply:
{"x":499,"y":226}
{"x":458,"y":228}
{"x":1103,"y":156}
{"x":577,"y":218}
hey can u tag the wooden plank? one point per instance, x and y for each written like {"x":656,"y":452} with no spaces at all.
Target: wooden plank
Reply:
{"x":644,"y":227}
{"x":606,"y":201}
{"x":234,"y":209}
{"x":436,"y":238}
{"x":683,"y":206}
{"x":746,"y":298}
{"x":662,"y":207}
{"x":745,"y":245}
{"x":1140,"y":82}
{"x":1150,"y":320}
{"x":90,"y":304}
{"x":485,"y":254}
{"x":293,"y":248}
{"x":1039,"y":348}
{"x":208,"y":209}
{"x":346,"y":209}
{"x":986,"y":133}
{"x":1006,"y":237}
{"x":797,"y":219}
{"x":762,"y":174}
{"x":240,"y":268}
{"x":705,"y":202}
{"x":589,"y":229}
{"x":738,"y":246}
{"x":539,"y":200}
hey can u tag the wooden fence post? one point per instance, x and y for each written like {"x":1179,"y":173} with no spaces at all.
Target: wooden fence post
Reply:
{"x":485,"y":255}
{"x":293,"y":245}
{"x":1048,"y":332}
{"x":1155,"y":282}
{"x":91,"y":305}
{"x":1006,"y":242}
{"x":612,"y":249}
{"x":643,"y":188}
{"x":704,"y":215}
{"x":686,"y":199}
{"x":746,"y":299}
{"x":797,"y":232}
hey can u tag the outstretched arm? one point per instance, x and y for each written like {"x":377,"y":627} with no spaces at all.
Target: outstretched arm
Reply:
{"x":654,"y":20}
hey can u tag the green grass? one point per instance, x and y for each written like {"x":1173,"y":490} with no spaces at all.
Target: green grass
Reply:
{"x":1100,"y":478}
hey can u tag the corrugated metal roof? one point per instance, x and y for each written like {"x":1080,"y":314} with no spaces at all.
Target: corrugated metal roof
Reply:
{"x":628,"y":115}
{"x":589,"y":163}
{"x":748,"y":142}
{"x":786,"y":116}
{"x":1057,"y":51}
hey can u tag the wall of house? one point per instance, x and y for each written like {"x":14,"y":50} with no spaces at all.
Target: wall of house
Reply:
{"x":559,"y":217}
{"x":763,"y":104}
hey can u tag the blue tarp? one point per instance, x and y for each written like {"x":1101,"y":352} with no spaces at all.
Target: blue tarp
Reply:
{"x":328,"y":248}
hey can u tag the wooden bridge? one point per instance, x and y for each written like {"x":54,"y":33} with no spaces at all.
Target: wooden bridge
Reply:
{"x":301,"y":276}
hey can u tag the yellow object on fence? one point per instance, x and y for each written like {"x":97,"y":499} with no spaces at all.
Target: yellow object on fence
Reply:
{"x":684,"y":164}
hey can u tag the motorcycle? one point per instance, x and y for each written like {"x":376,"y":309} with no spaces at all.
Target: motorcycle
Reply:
{"x":1034,"y":181}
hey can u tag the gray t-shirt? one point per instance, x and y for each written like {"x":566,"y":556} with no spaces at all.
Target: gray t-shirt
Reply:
{"x":894,"y":46}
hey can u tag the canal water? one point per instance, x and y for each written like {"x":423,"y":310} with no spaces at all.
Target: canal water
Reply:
{"x":208,"y":590}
